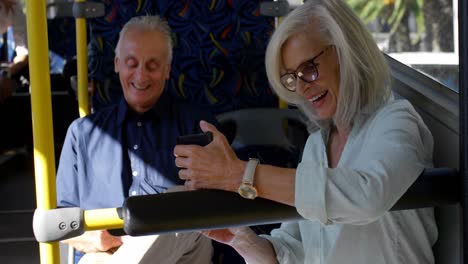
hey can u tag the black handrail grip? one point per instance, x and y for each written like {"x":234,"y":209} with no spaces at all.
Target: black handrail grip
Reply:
{"x":198,"y":210}
{"x":212,"y":209}
{"x":434,"y":187}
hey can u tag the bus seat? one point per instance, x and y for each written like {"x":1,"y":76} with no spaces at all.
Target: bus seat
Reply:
{"x":69,"y":73}
{"x":218,"y":61}
{"x":274,"y":136}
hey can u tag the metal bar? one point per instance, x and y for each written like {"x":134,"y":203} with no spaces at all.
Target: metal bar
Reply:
{"x":82,"y":65}
{"x":41,"y":107}
{"x":102,"y":219}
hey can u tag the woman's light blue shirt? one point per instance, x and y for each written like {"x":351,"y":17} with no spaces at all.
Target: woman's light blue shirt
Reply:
{"x":347,"y":207}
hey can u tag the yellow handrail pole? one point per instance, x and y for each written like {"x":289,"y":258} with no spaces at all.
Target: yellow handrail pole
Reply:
{"x":99,"y":219}
{"x":82,"y":65}
{"x":41,"y":107}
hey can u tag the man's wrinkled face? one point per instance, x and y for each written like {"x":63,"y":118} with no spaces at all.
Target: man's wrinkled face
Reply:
{"x":142,"y":63}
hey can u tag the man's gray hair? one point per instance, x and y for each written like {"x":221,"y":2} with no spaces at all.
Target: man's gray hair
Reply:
{"x":147,"y":23}
{"x":364,"y":72}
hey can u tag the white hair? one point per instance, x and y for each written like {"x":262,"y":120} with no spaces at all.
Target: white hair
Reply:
{"x":364,"y":72}
{"x":149,"y":23}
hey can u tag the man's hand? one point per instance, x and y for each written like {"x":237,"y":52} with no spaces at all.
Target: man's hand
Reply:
{"x":95,"y":241}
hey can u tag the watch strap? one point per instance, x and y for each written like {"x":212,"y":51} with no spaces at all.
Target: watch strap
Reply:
{"x":249,"y":172}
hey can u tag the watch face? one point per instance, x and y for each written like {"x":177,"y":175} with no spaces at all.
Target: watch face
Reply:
{"x":247,"y":191}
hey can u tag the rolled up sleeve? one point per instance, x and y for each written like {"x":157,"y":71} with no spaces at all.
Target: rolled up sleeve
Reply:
{"x":287,"y":243}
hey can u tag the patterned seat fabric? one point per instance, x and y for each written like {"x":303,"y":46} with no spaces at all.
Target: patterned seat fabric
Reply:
{"x":218,"y":54}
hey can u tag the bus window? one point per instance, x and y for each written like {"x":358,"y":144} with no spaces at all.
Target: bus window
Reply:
{"x":420,"y":34}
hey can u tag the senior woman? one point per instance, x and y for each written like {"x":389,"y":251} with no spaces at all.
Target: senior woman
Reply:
{"x":368,"y":150}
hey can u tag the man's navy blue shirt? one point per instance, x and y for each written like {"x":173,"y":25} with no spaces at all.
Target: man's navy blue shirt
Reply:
{"x":115,"y":153}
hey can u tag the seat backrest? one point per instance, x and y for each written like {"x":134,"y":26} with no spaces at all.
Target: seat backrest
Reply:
{"x":219,"y":52}
{"x":262,"y":126}
{"x":270,"y":134}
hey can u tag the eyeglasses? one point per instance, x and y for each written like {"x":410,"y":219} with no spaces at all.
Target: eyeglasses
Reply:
{"x":306,"y":71}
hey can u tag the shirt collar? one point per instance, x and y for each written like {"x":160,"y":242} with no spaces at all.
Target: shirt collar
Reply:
{"x":124,"y":112}
{"x":359,"y":119}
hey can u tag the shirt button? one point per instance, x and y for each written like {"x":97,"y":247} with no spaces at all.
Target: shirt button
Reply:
{"x":139,"y":124}
{"x":135,"y":173}
{"x":134,"y":193}
{"x":135,"y":147}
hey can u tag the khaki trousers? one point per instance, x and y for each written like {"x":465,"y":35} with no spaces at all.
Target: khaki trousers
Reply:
{"x":180,"y":248}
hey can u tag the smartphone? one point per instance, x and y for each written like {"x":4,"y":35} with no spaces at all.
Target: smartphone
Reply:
{"x":201,"y":139}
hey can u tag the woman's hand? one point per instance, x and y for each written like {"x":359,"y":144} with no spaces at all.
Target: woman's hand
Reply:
{"x":236,"y":237}
{"x":214,"y":166}
{"x":224,"y":236}
{"x":250,"y":246}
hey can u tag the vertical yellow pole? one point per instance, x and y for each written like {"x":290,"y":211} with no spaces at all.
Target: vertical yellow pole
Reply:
{"x":41,"y":107}
{"x":82,"y":65}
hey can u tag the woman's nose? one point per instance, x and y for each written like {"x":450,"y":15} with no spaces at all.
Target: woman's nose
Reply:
{"x":301,"y":86}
